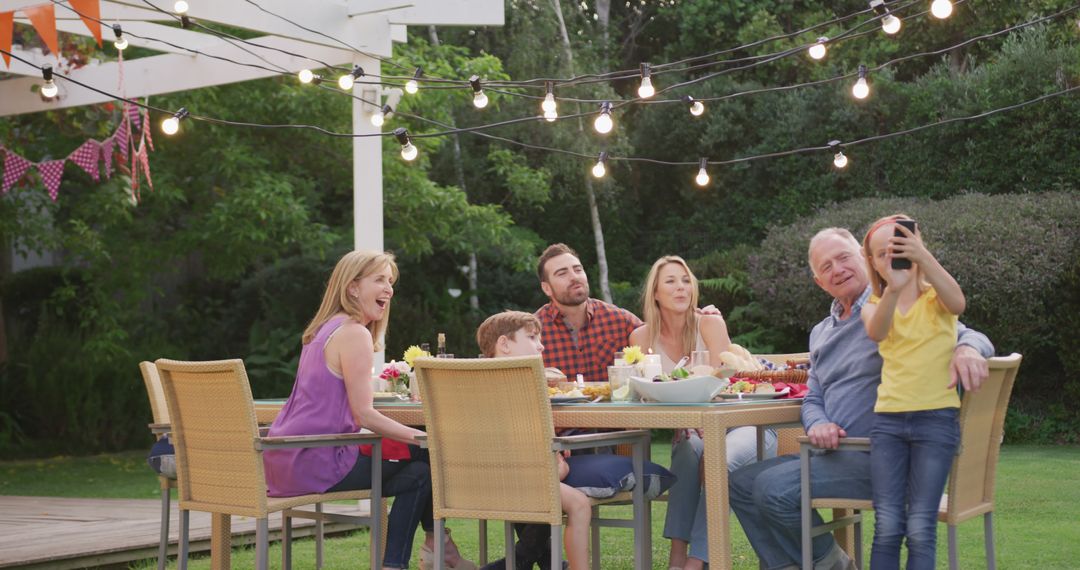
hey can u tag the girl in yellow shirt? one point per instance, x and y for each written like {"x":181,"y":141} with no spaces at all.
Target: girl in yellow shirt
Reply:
{"x":912,"y":315}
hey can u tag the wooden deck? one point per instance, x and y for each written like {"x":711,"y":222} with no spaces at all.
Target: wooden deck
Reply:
{"x":50,"y":532}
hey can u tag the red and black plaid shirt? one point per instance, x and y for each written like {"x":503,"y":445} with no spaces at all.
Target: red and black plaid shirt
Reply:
{"x":591,"y":349}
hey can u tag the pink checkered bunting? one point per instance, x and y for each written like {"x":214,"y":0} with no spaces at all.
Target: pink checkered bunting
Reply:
{"x":147,"y":132}
{"x":86,"y":157}
{"x":122,"y":136}
{"x":134,"y":116}
{"x":107,"y":155}
{"x":144,"y":160}
{"x":15,"y":167}
{"x":51,"y":173}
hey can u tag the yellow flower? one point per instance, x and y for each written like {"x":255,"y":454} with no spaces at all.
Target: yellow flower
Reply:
{"x":633,"y":354}
{"x":412,"y":353}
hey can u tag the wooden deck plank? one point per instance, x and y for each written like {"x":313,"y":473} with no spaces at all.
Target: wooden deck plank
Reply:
{"x":70,"y":533}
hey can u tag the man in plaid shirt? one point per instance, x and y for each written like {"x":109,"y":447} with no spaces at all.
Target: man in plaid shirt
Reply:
{"x":580,"y":334}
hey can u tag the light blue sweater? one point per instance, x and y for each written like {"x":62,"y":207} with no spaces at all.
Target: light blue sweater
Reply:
{"x":845,"y":370}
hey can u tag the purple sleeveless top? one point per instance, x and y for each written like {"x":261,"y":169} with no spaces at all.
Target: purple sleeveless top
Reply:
{"x":318,"y":405}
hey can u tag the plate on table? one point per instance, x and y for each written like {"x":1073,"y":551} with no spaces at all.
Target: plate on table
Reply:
{"x":755,"y":395}
{"x":569,"y":399}
{"x":698,"y":389}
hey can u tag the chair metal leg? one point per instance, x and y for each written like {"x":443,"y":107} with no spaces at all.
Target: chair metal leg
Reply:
{"x":440,"y":544}
{"x":508,"y":531}
{"x":262,"y":543}
{"x":319,"y":533}
{"x":804,"y":487}
{"x":954,"y":561}
{"x":163,"y":547}
{"x":858,"y":542}
{"x":481,"y":525}
{"x":286,"y":541}
{"x":595,"y":537}
{"x":556,"y":546}
{"x":642,"y":513}
{"x":988,"y":536}
{"x":182,"y":554}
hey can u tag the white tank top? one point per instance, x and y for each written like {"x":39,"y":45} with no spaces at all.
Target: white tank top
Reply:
{"x":667,"y":364}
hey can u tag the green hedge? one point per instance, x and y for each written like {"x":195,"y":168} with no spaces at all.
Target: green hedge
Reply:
{"x":1014,"y":255}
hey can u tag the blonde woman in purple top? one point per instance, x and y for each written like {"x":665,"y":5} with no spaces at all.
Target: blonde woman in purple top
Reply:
{"x":333,"y":393}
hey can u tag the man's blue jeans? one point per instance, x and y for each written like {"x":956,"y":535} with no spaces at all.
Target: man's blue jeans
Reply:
{"x":766,"y":497}
{"x":911,"y":454}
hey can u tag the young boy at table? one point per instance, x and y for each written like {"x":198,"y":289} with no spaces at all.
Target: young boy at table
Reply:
{"x":516,"y":333}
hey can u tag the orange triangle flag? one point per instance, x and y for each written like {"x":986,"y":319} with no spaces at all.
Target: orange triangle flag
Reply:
{"x":90,"y":12}
{"x":7,"y":24}
{"x":44,"y":20}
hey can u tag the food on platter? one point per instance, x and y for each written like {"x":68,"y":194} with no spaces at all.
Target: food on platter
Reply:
{"x":554,"y":376}
{"x":739,"y":358}
{"x":746,"y":387}
{"x":590,"y":390}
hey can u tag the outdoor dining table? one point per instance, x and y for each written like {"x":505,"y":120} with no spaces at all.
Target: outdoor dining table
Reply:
{"x":713,"y":418}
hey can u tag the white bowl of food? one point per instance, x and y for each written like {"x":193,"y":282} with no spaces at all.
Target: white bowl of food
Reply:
{"x":688,"y":391}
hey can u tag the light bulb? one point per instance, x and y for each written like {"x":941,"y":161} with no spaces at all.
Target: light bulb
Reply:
{"x":479,"y":100}
{"x":646,"y":89}
{"x":941,"y":9}
{"x":603,"y":124}
{"x":697,"y":108}
{"x":378,"y":118}
{"x":839,"y":160}
{"x":890,"y":24}
{"x":702,"y":177}
{"x":49,"y":89}
{"x":170,"y":126}
{"x":345,"y":82}
{"x":861,"y":89}
{"x":306,"y":76}
{"x":551,"y":116}
{"x":818,"y":50}
{"x":598,"y":169}
{"x":408,"y":152}
{"x":180,"y":7}
{"x":411,"y":87}
{"x":121,"y":44}
{"x":549,"y":103}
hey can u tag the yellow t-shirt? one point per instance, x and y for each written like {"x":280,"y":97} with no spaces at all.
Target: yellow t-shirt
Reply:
{"x":916,"y":356}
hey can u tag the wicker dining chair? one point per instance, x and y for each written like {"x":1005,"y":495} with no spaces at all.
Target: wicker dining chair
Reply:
{"x":160,"y":428}
{"x":970,"y":490}
{"x":219,"y":458}
{"x":493,"y":446}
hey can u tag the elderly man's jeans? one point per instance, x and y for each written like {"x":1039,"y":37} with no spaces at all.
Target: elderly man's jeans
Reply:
{"x":766,"y":498}
{"x":911,"y":454}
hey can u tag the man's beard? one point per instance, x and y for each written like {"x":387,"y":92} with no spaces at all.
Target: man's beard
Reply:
{"x":572,"y":299}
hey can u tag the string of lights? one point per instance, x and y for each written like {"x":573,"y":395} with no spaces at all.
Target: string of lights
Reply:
{"x":409,"y":151}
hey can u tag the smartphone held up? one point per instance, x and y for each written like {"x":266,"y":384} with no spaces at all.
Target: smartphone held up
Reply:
{"x":903,"y":262}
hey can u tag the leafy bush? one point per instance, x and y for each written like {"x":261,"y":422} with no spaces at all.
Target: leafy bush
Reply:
{"x":1014,"y":255}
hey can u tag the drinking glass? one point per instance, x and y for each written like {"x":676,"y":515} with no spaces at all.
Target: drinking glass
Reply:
{"x":699,"y":363}
{"x":619,"y":380}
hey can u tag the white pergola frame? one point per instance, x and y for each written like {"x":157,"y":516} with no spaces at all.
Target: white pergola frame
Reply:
{"x":370,"y":26}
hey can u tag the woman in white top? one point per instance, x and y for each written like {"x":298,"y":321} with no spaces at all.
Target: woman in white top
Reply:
{"x":673,"y":329}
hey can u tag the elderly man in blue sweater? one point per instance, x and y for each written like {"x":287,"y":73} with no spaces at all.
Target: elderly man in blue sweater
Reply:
{"x":844,"y":375}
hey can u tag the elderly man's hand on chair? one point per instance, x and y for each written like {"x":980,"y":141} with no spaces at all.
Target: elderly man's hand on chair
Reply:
{"x":826,"y":436}
{"x":968,"y":367}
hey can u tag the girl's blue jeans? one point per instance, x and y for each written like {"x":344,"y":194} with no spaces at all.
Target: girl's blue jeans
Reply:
{"x":410,"y":483}
{"x":911,"y":454}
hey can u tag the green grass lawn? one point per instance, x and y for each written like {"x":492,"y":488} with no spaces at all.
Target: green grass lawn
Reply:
{"x":1036,"y":519}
